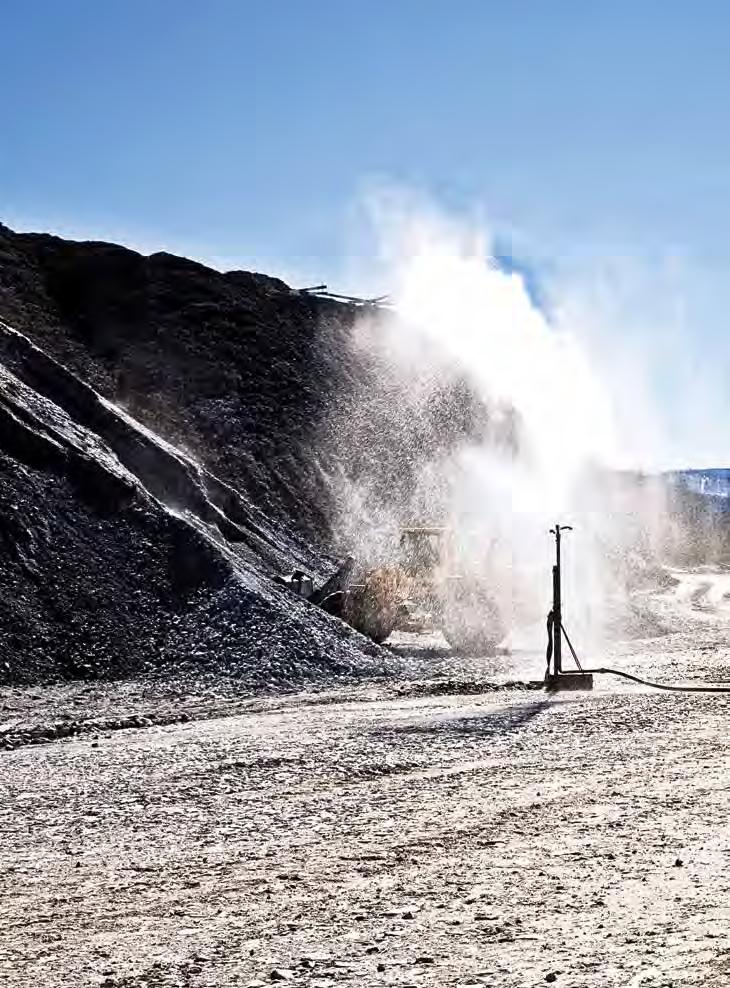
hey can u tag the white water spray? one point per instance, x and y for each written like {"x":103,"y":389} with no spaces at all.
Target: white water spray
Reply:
{"x":541,"y":453}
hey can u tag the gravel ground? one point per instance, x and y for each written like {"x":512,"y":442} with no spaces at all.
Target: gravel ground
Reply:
{"x":389,"y":834}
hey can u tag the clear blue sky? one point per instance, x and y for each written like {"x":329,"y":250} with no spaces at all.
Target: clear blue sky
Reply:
{"x":244,"y":132}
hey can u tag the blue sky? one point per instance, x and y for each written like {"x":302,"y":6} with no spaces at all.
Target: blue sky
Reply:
{"x":594,"y":137}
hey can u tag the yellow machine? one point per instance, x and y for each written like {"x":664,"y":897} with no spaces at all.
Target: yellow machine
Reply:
{"x":424,"y":591}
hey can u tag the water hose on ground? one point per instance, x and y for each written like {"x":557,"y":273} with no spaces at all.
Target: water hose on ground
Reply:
{"x":605,"y":671}
{"x":659,"y":686}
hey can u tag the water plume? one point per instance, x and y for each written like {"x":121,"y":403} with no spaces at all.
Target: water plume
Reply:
{"x":473,"y":410}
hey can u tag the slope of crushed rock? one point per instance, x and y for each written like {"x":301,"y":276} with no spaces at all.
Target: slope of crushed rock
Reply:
{"x":260,"y":382}
{"x":163,"y":452}
{"x":123,"y":556}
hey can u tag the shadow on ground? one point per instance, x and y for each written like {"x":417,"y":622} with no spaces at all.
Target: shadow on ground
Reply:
{"x":489,"y":724}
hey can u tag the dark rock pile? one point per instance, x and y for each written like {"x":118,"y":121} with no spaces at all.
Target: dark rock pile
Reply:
{"x":157,"y":421}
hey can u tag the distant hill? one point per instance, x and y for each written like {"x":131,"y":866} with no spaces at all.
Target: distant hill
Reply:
{"x":713,"y":483}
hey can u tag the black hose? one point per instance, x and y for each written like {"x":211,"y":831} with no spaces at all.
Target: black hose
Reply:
{"x":616,"y":672}
{"x":660,"y":686}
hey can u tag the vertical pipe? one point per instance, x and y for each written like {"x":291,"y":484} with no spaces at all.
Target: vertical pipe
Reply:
{"x":557,"y":608}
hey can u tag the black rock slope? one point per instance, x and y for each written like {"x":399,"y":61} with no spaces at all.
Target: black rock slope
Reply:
{"x":122,"y":555}
{"x":234,"y":367}
{"x":166,"y":435}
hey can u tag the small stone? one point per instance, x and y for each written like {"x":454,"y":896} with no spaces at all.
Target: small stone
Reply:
{"x":424,"y":960}
{"x":409,"y":915}
{"x":381,"y":967}
{"x":281,"y":974}
{"x":678,"y":863}
{"x":551,"y":977}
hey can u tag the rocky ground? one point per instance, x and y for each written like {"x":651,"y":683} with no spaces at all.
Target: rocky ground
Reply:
{"x":390,"y":833}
